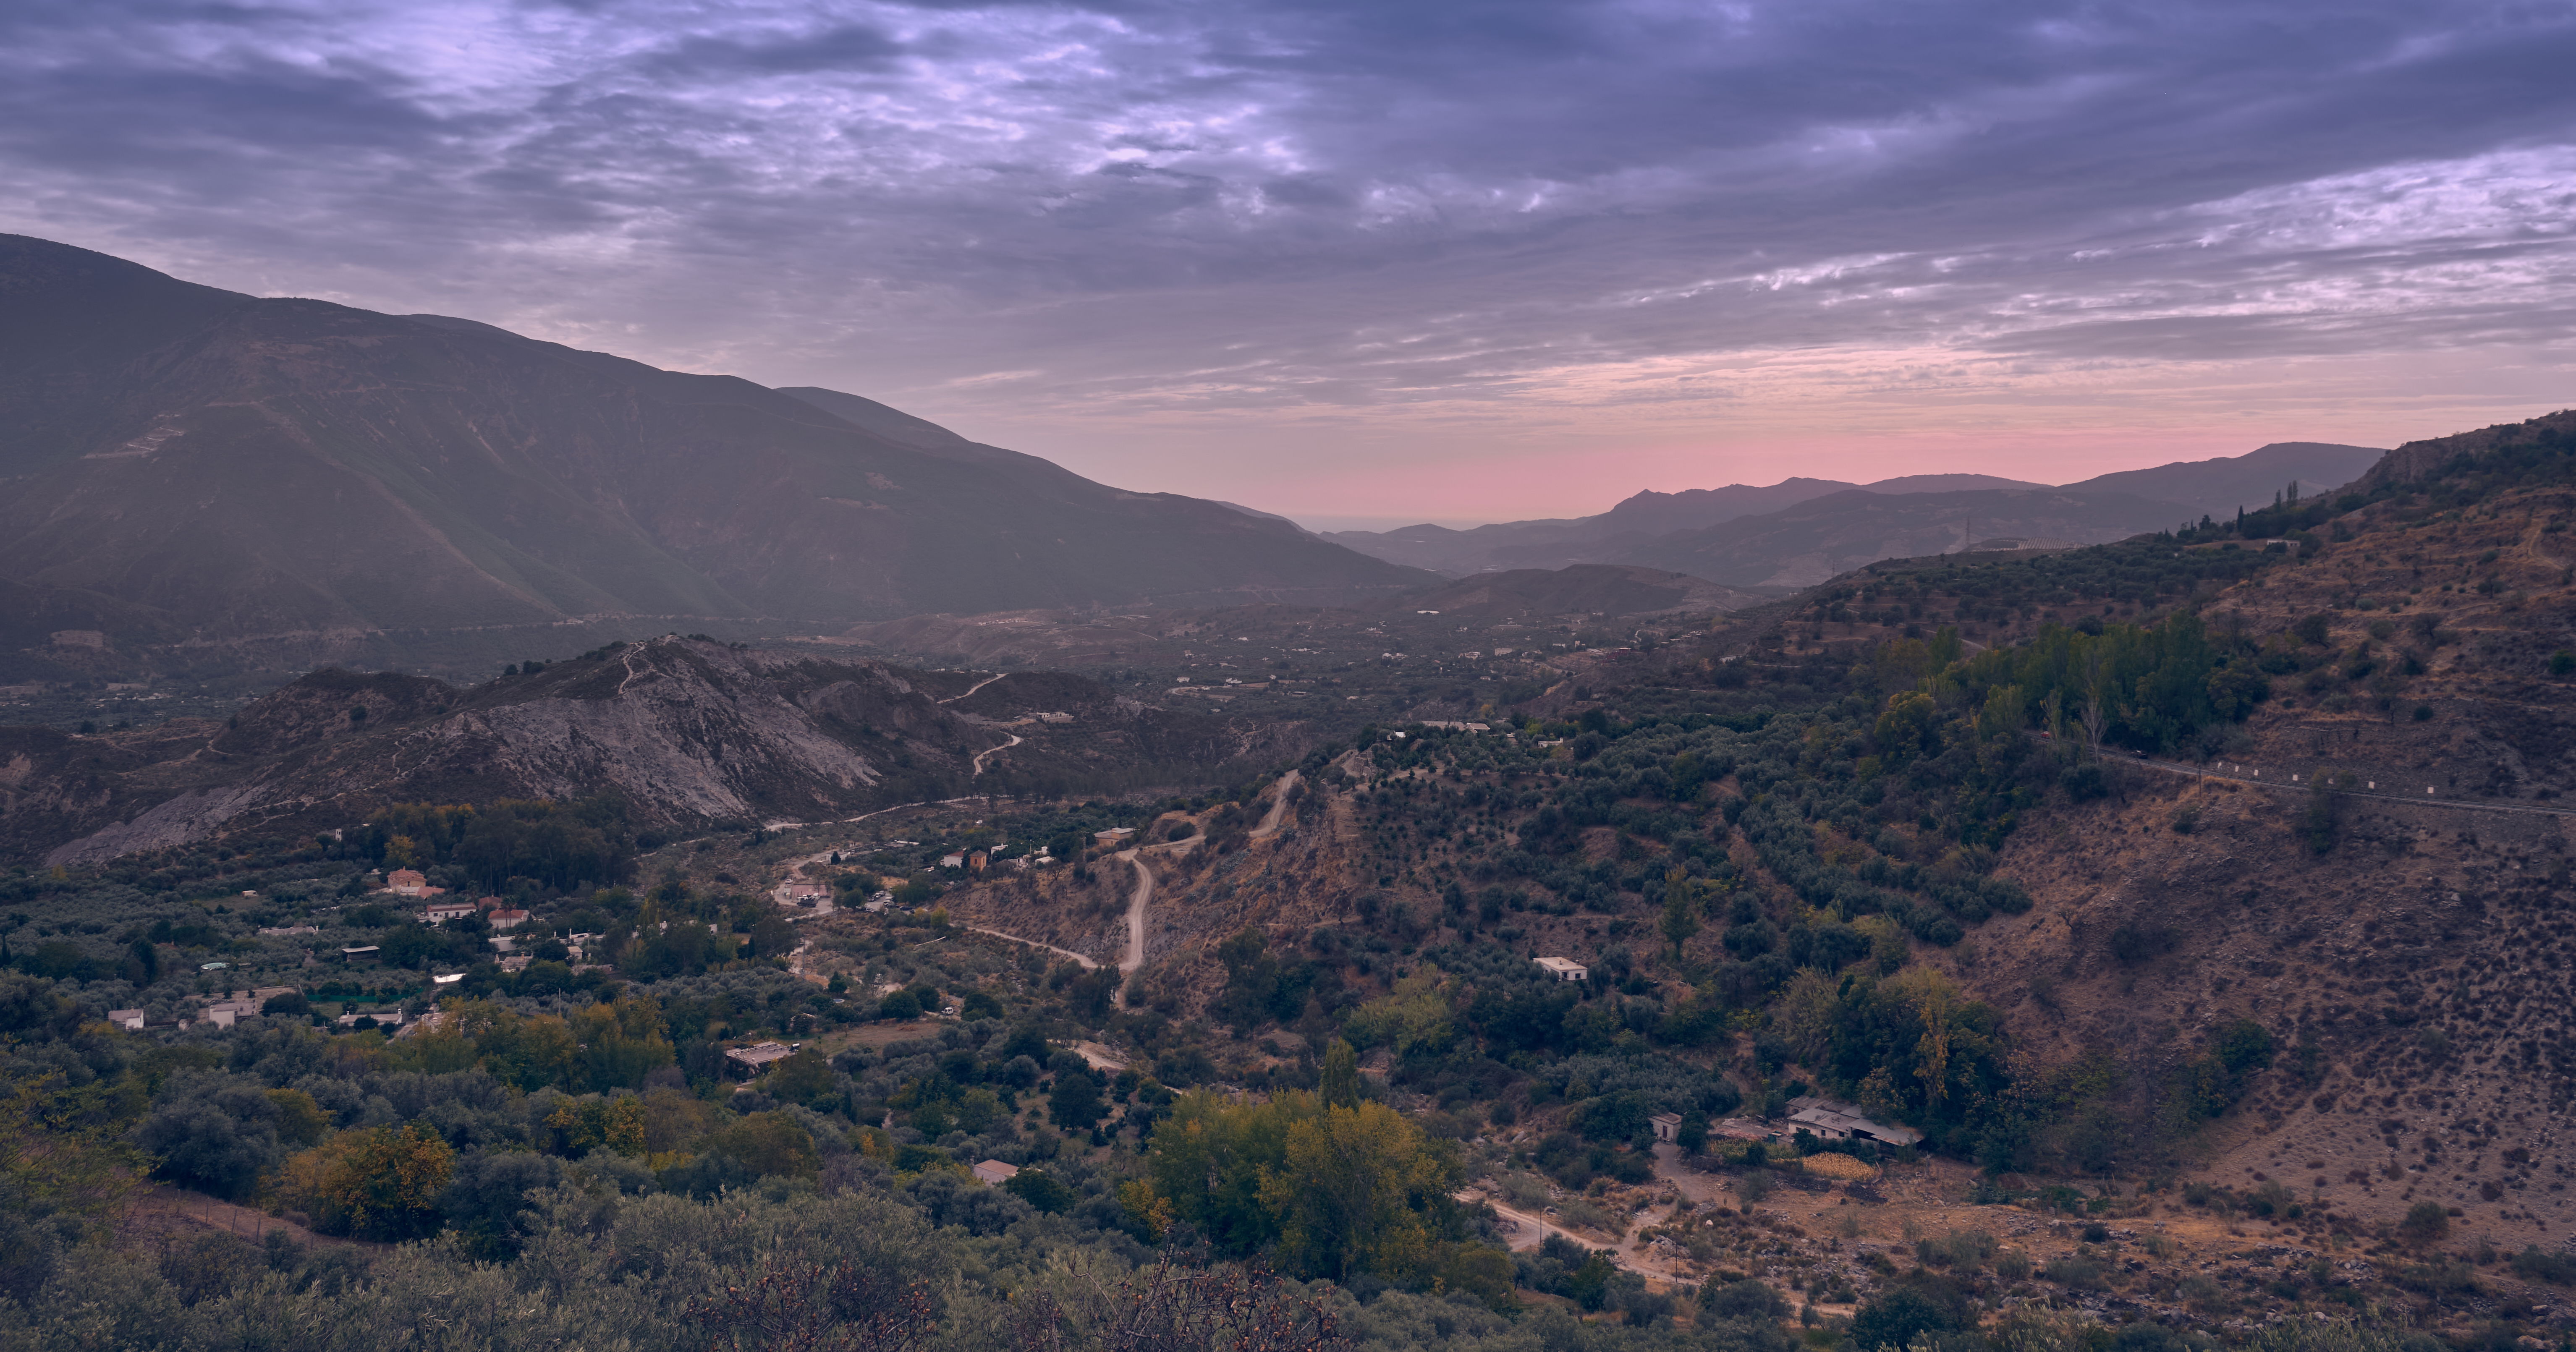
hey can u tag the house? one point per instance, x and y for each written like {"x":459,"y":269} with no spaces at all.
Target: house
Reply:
{"x":952,"y":861}
{"x":384,"y":1018}
{"x":512,"y":919}
{"x":408,"y":882}
{"x":225,"y":1013}
{"x":1668,"y":1126}
{"x":361,"y":953}
{"x":757,"y":1057}
{"x":1837,"y":1121}
{"x":1564,"y":969}
{"x":451,"y":979}
{"x":994,"y":1173}
{"x":131,"y":1020}
{"x":440,"y":912}
{"x":975,"y":861}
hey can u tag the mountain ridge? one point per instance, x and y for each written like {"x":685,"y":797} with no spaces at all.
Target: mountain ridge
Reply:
{"x":192,"y":466}
{"x":1643,"y":528}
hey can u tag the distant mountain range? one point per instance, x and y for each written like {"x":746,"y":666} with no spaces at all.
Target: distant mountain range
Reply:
{"x":189,"y":466}
{"x":1783,"y":534}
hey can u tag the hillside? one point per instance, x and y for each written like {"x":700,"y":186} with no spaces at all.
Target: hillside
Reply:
{"x":2218,"y":487}
{"x":687,"y":733}
{"x":293,"y":481}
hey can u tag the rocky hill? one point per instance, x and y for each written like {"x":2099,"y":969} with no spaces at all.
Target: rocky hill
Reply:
{"x":296,"y":481}
{"x":688,"y":732}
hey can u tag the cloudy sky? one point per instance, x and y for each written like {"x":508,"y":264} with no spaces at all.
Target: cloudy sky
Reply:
{"x":1400,"y":261}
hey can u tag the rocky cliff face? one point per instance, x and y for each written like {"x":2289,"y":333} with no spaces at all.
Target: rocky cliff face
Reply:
{"x":687,"y":731}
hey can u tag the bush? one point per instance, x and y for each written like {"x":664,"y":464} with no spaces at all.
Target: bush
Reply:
{"x":900,"y":1005}
{"x":1746,"y":1299}
{"x":2425,"y":1223}
{"x":1898,"y":1317}
{"x":2539,"y":1265}
{"x":2074,"y":1273}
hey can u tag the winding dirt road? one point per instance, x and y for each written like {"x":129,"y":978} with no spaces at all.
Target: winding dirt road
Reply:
{"x":1016,"y":739}
{"x":970,"y":690}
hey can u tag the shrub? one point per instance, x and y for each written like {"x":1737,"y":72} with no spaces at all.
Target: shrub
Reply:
{"x":2537,"y":1264}
{"x":2074,"y":1273}
{"x":1898,"y":1317}
{"x":1746,"y":1299}
{"x":2425,"y":1223}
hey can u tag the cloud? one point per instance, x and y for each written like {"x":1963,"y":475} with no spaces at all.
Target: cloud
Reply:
{"x":1211,"y":215}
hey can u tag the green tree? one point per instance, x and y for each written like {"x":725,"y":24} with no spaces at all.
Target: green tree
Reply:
{"x":1041,"y":1190}
{"x":1681,"y":918}
{"x":1352,"y":1191}
{"x":1075,"y":1101}
{"x":1341,"y":1078}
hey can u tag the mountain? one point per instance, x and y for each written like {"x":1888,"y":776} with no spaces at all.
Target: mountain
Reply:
{"x":1819,"y":538}
{"x":191,"y":466}
{"x":1555,"y":543}
{"x":2219,"y":487}
{"x":1946,"y":483}
{"x":686,"y":731}
{"x":1635,"y":530}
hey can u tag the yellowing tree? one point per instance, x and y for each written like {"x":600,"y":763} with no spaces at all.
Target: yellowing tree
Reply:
{"x":1340,"y":1189}
{"x":381,"y":1183}
{"x":1354,"y":1190}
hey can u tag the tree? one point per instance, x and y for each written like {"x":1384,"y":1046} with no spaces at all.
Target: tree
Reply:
{"x":1681,"y":918}
{"x":804,"y":1078}
{"x":795,"y":1306}
{"x":1041,"y":1190}
{"x":381,"y":1183}
{"x":1341,"y":1077}
{"x":1350,"y":1192}
{"x":2425,"y":1223}
{"x":1075,"y":1102}
{"x":1896,"y":1318}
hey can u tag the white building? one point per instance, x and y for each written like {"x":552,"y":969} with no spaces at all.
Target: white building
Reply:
{"x":1565,"y":969}
{"x":1837,"y":1121}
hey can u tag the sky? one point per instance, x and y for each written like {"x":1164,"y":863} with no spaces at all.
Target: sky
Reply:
{"x":1370,"y":263}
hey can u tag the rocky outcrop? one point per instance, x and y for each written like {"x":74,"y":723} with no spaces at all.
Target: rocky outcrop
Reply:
{"x":688,"y":731}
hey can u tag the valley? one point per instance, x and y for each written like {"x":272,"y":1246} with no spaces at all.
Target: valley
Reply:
{"x":2100,"y":885}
